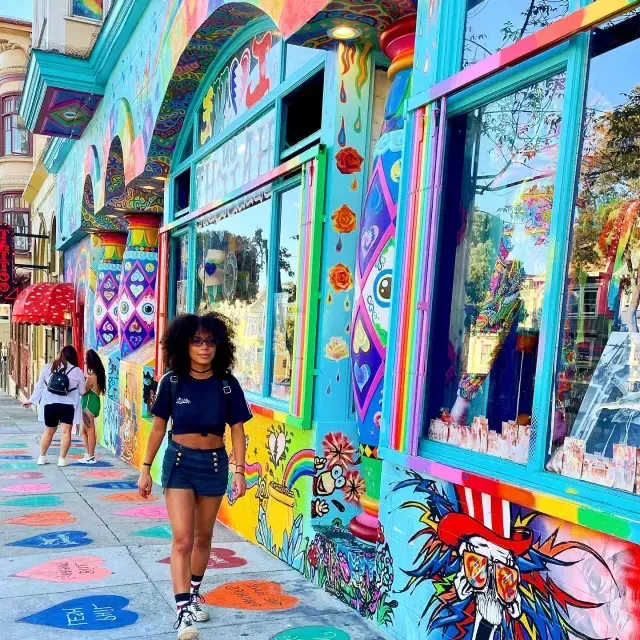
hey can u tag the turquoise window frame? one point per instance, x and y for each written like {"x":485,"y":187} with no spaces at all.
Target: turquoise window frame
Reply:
{"x":574,"y":57}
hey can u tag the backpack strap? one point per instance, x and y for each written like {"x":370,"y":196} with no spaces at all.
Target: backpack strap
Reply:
{"x":67,"y":374}
{"x":173,"y":379}
{"x":226,"y":389}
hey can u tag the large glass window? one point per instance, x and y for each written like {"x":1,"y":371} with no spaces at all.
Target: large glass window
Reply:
{"x":493,"y":245}
{"x":15,"y":138}
{"x":180,"y":265}
{"x":596,"y":418}
{"x":232,"y":255}
{"x":14,"y":211}
{"x":286,"y":295}
{"x":492,"y":25}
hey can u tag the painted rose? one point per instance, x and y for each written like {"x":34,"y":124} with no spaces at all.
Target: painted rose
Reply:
{"x":348,"y":160}
{"x":336,"y":349}
{"x":344,"y":219}
{"x":340,"y":277}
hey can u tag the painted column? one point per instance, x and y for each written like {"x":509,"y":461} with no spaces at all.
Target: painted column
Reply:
{"x":374,"y":271}
{"x":108,"y":288}
{"x":138,"y":283}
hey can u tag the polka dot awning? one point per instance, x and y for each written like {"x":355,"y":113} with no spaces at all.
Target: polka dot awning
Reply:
{"x":44,"y":303}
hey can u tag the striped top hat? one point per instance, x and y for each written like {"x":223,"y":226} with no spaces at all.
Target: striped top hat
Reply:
{"x":485,"y":516}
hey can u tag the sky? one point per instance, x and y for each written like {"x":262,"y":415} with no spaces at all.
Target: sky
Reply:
{"x":22,"y":10}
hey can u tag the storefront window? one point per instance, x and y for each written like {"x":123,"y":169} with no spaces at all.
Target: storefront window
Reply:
{"x":286,"y":298}
{"x":492,"y":25}
{"x":493,"y":245}
{"x":232,"y":257}
{"x":596,"y":421}
{"x":181,"y":260}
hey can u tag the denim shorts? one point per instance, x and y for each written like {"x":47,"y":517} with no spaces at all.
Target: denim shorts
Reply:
{"x":205,"y":471}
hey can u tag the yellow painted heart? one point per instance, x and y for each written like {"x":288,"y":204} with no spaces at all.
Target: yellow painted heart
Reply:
{"x":361,"y":340}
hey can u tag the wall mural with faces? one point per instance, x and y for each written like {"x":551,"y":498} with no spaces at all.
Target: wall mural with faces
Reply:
{"x":474,"y":567}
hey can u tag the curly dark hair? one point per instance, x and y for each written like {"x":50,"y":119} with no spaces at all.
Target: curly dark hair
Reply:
{"x":95,"y":364}
{"x":175,"y":342}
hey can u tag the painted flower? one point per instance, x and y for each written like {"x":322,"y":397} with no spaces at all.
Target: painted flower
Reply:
{"x":348,"y":160}
{"x":338,"y":450}
{"x":340,"y":277}
{"x":336,"y":349}
{"x":344,"y":219}
{"x":354,"y":486}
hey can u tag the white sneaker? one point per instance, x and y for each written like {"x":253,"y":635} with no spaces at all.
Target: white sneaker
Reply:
{"x":199,"y":614}
{"x":62,"y":462}
{"x":185,"y":626}
{"x":43,"y":460}
{"x":87,"y":460}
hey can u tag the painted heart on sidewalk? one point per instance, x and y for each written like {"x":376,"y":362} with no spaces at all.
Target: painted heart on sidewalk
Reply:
{"x":15,"y":452}
{"x":127,"y":496}
{"x":158,"y":512}
{"x":16,"y":457}
{"x":68,"y":570}
{"x":13,"y":445}
{"x":54,"y":540}
{"x":43,"y":519}
{"x":312,"y":633}
{"x":114,"y":485}
{"x":91,"y":613}
{"x":27,"y":488}
{"x":160,"y":531}
{"x":105,"y":474}
{"x":97,"y":463}
{"x":18,"y":465}
{"x":21,"y":475}
{"x":33,"y":501}
{"x":219,"y":558}
{"x":252,"y":595}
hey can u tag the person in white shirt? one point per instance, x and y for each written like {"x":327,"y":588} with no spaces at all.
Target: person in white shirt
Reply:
{"x":57,"y":394}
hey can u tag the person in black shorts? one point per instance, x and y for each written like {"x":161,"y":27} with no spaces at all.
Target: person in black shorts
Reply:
{"x":201,"y":397}
{"x":57,"y":394}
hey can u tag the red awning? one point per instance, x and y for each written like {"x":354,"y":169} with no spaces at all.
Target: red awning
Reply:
{"x":43,"y":303}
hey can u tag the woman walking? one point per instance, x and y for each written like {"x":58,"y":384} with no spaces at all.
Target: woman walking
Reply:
{"x":96,"y":382}
{"x":201,"y":397}
{"x":57,"y":394}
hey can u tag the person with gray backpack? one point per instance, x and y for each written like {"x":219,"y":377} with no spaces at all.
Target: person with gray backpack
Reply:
{"x":57,"y":393}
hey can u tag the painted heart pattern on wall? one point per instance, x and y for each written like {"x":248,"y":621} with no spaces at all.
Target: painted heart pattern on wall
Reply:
{"x":91,"y":613}
{"x":68,"y":570}
{"x":54,"y":540}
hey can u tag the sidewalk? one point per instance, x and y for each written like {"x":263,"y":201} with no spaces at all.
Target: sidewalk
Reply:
{"x":83,"y":557}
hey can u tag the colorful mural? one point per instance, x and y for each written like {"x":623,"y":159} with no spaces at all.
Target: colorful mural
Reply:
{"x":90,"y":9}
{"x":107,"y":301}
{"x":473,"y":566}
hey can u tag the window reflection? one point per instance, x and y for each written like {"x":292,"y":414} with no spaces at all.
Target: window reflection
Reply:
{"x":181,"y":261}
{"x":286,"y":298}
{"x":596,"y":426}
{"x":492,"y":25}
{"x":493,"y":245}
{"x":232,"y":256}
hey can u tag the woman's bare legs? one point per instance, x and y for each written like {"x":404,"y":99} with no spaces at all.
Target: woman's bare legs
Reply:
{"x":45,"y":441}
{"x":205,"y":519}
{"x":89,"y":433}
{"x":65,"y":439}
{"x":181,"y":504}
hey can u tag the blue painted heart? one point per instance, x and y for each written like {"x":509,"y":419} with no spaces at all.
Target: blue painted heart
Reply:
{"x":54,"y":540}
{"x":98,"y":464}
{"x":114,"y":485}
{"x":91,"y":613}
{"x":137,"y":276}
{"x":362,"y":373}
{"x":368,"y":238}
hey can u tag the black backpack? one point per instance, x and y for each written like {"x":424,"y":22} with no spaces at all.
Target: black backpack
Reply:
{"x":58,"y":383}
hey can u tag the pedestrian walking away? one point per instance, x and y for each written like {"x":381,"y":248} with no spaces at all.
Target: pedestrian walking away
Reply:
{"x":57,"y":394}
{"x":200,"y":397}
{"x":96,"y":382}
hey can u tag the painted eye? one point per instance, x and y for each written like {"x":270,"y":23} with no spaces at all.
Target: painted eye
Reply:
{"x":340,"y":482}
{"x":382,"y":288}
{"x":507,"y":581}
{"x":475,"y":569}
{"x":147,"y":308}
{"x":99,"y":311}
{"x":336,"y":472}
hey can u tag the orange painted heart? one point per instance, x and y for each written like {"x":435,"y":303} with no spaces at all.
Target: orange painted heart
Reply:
{"x":252,"y":595}
{"x":107,"y":474}
{"x":15,"y":452}
{"x":128,"y":496}
{"x":43,"y":519}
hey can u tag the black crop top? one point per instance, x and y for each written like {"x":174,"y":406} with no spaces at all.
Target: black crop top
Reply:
{"x":201,"y":406}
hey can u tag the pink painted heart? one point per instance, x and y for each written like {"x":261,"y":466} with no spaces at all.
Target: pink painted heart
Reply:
{"x":27,"y":488}
{"x":68,"y":570}
{"x":21,"y":475}
{"x":219,"y":558}
{"x":109,"y":474}
{"x":157,"y":511}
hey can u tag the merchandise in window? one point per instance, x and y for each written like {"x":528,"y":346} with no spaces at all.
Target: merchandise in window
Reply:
{"x":493,"y":245}
{"x":286,"y":293}
{"x":14,"y":211}
{"x":232,"y":260}
{"x":596,"y":418}
{"x":15,"y":138}
{"x":181,"y":261}
{"x":492,"y":25}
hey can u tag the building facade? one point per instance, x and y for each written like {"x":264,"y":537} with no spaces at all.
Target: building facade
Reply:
{"x":421,"y":218}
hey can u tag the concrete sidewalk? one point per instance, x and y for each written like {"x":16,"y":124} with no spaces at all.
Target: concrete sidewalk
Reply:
{"x":83,"y":557}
